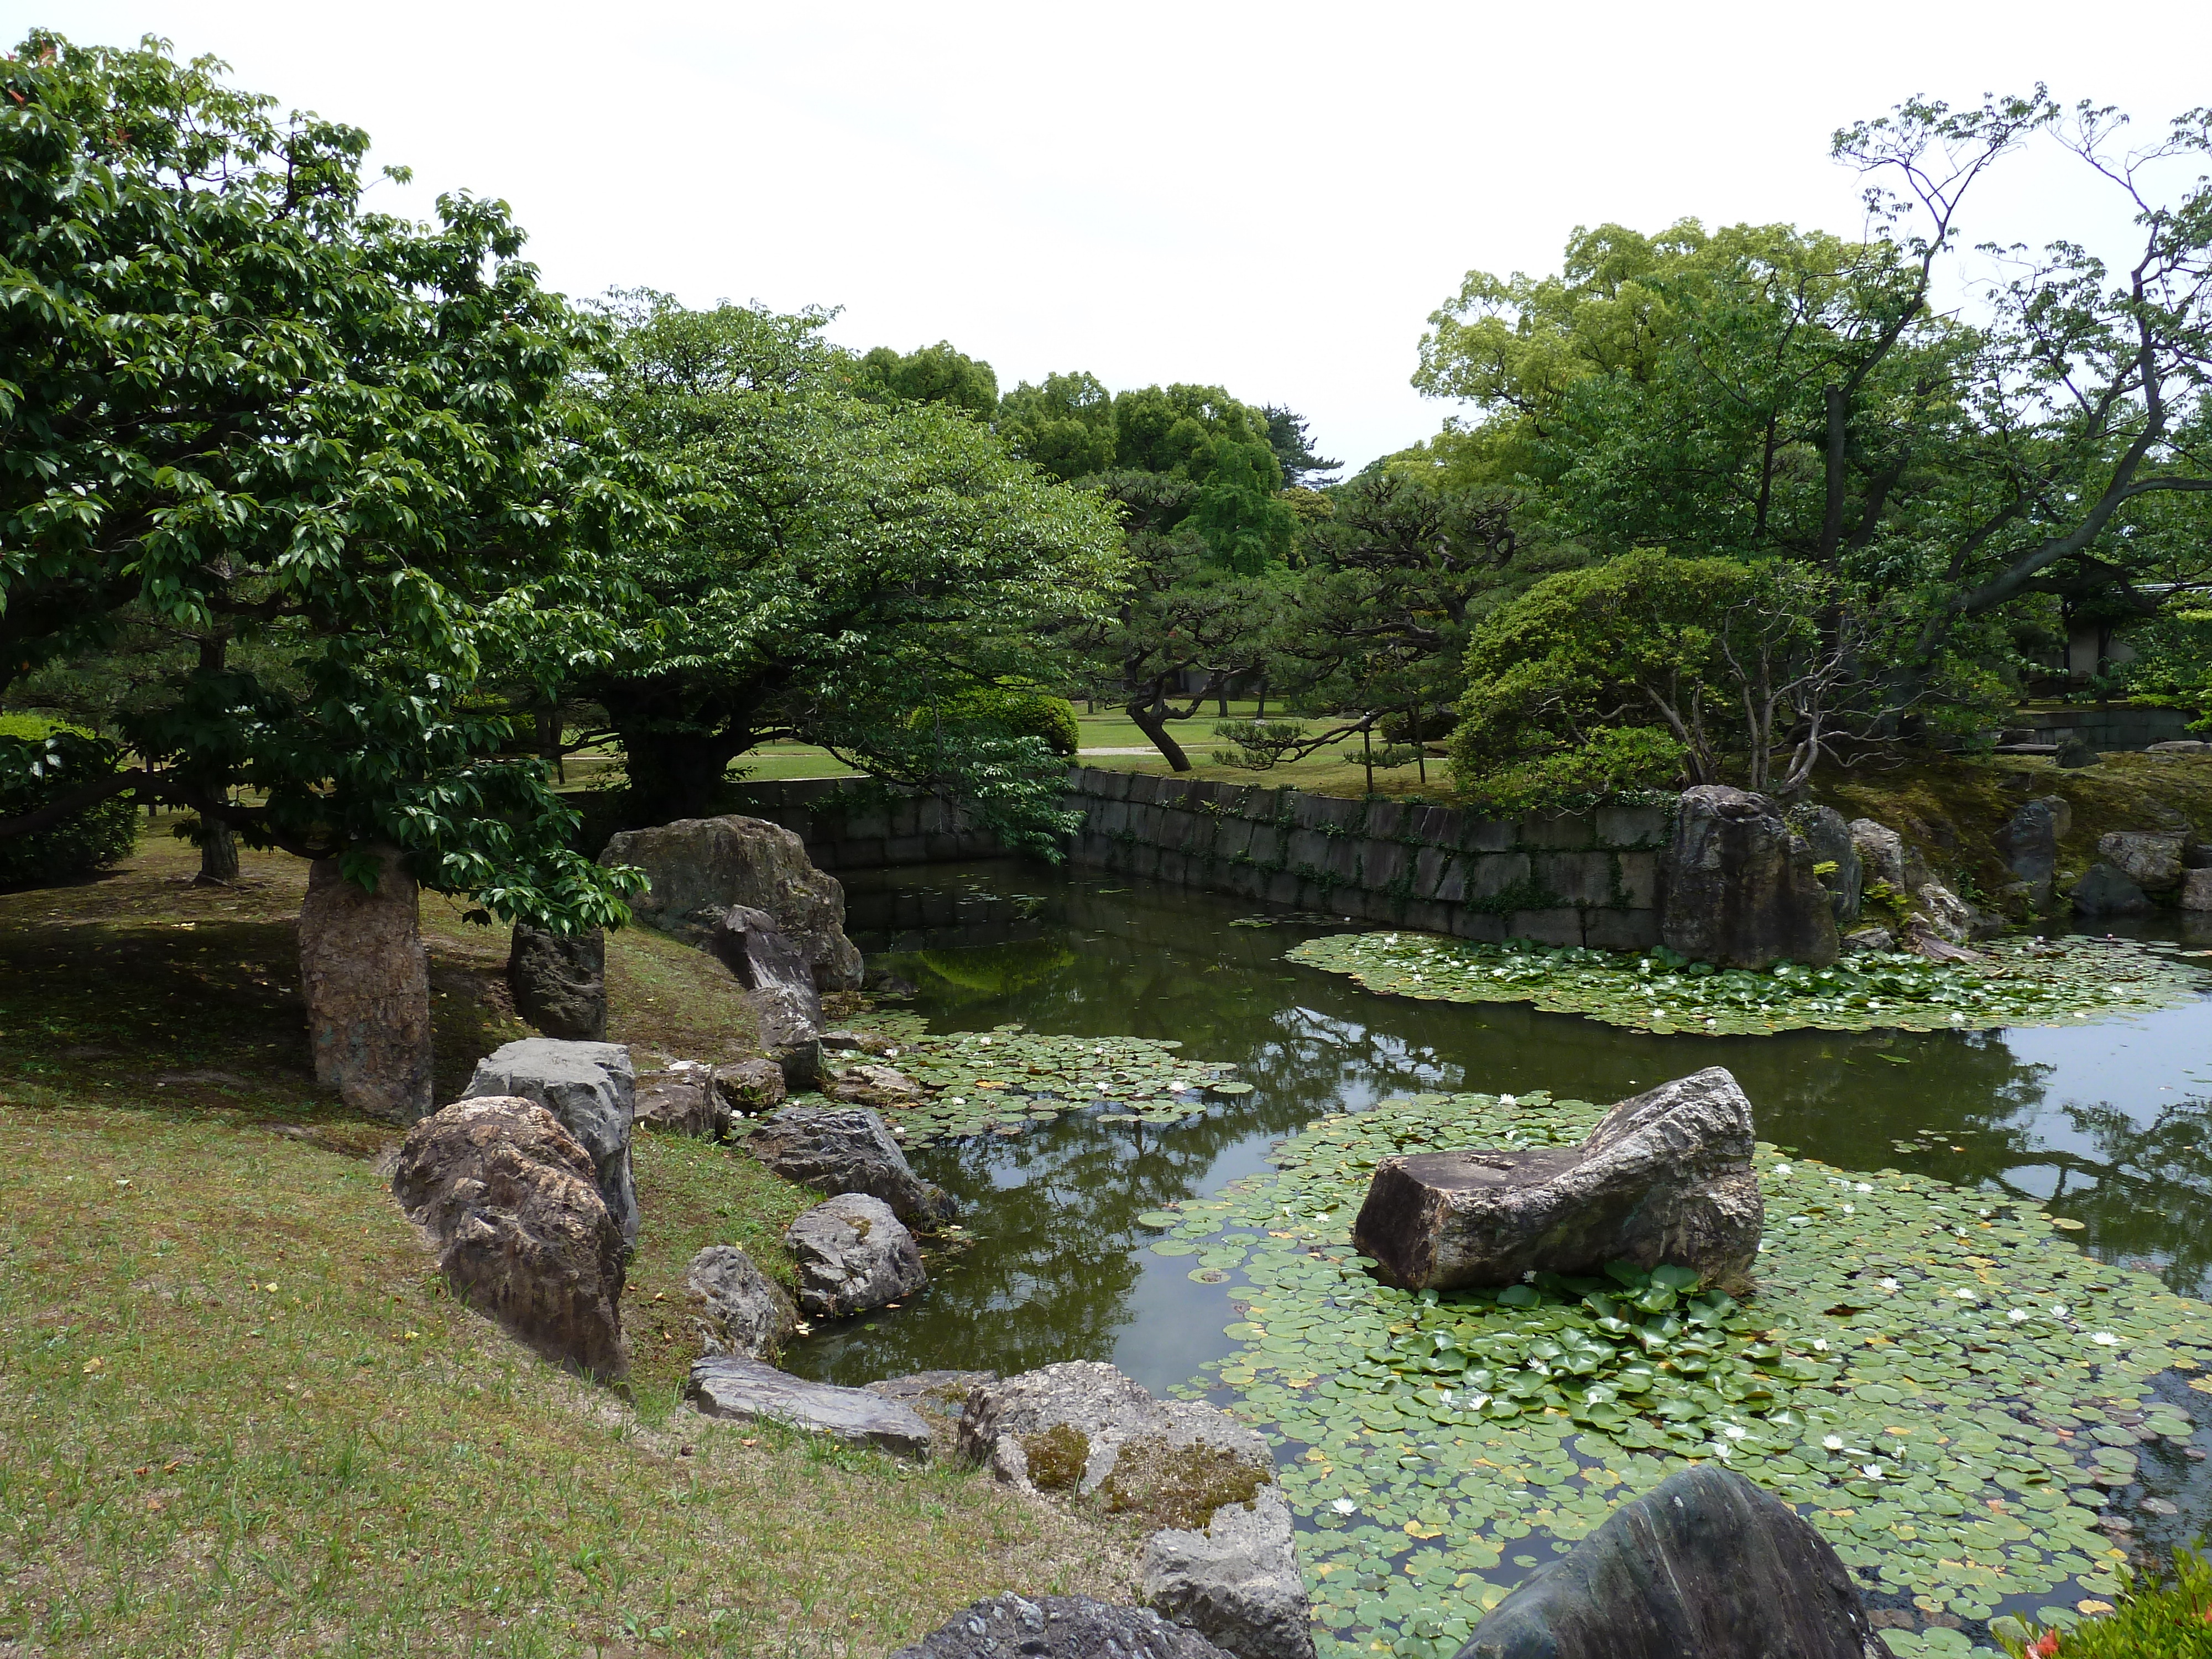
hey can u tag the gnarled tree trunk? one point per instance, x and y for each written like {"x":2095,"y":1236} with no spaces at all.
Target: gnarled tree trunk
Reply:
{"x":367,"y":981}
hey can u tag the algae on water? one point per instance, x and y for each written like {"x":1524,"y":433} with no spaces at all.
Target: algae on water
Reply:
{"x":2020,"y":982}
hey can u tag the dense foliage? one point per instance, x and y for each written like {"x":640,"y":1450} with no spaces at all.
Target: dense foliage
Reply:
{"x":79,"y":844}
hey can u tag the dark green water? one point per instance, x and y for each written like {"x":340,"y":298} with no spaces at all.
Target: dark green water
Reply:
{"x":2104,"y":1121}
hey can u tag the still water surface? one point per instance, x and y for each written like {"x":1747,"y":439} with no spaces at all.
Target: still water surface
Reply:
{"x":2104,"y":1121}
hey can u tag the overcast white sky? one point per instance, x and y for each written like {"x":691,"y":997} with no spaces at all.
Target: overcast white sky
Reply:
{"x":1270,"y":198}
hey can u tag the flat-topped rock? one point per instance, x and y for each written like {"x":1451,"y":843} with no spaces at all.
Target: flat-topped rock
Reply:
{"x":1705,"y":1564}
{"x":1058,"y":1627}
{"x":732,"y":1386}
{"x":591,"y":1088}
{"x":853,"y":1254}
{"x":848,"y":1149}
{"x":1666,"y":1177}
{"x":1738,"y":886}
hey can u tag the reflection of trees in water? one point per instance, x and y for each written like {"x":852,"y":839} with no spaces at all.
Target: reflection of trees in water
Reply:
{"x":1055,"y":1271}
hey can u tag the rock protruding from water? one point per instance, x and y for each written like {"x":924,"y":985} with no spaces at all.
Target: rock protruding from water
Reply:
{"x":511,"y":1203}
{"x":736,"y":1308}
{"x":847,"y":1149}
{"x":2104,"y":892}
{"x":939,"y":1396}
{"x":779,"y":984}
{"x":1236,"y":1582}
{"x":559,"y":981}
{"x":733,"y":1386}
{"x":1094,"y":1431}
{"x":1058,"y":1627}
{"x":853,"y":1254}
{"x":698,"y":868}
{"x":1836,"y":863}
{"x":2150,"y":858}
{"x":1705,"y":1564}
{"x":1666,"y":1177}
{"x":681,"y":1099}
{"x":366,"y":979}
{"x":591,"y":1088}
{"x":2196,"y":889}
{"x":874,"y":1085}
{"x":1739,"y":887}
{"x":2029,"y":843}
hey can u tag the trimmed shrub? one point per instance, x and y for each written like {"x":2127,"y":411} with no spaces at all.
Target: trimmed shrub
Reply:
{"x":1018,"y":712}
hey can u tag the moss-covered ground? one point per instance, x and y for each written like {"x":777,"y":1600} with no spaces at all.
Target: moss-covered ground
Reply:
{"x":241,"y":1415}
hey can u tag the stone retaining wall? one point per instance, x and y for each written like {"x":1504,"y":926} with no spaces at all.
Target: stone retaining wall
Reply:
{"x":1561,"y":879}
{"x":2116,"y":726}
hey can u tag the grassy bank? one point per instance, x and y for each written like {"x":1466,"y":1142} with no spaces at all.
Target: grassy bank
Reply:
{"x":242,"y":1415}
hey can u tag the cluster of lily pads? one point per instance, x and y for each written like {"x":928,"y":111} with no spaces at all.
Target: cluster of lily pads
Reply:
{"x":983,"y":1082}
{"x":1943,"y":1386}
{"x":2018,"y":982}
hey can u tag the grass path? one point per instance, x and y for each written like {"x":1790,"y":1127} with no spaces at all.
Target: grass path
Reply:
{"x":239,"y":1413}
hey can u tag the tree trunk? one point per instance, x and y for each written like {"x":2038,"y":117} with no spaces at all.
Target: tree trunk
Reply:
{"x":367,"y":981}
{"x":218,"y":853}
{"x":674,"y":775}
{"x":1151,"y":720}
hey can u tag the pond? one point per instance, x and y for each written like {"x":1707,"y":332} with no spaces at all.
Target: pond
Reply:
{"x":2104,"y":1123}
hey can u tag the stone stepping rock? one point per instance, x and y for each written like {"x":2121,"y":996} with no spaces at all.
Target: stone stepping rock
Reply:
{"x":730,"y":1386}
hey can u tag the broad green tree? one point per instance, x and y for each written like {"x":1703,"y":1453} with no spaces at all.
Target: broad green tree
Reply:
{"x":243,"y":411}
{"x":939,"y":373}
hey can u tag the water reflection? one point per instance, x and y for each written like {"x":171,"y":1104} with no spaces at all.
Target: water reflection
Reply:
{"x":2105,"y":1121}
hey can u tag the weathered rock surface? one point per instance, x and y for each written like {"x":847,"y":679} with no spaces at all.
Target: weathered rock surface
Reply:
{"x":731,"y":1386}
{"x":2104,"y":892}
{"x":1886,"y":857}
{"x":560,"y":982}
{"x":1739,"y":887}
{"x":1870,"y":939}
{"x":779,"y":985}
{"x":847,"y":1149}
{"x":590,"y":1087}
{"x":939,"y":1396}
{"x":682,"y":1099}
{"x":853,"y":1254}
{"x":1705,"y":1563}
{"x":2196,"y":889}
{"x":2180,"y":748}
{"x":750,"y":1087}
{"x":2075,"y":753}
{"x":874,"y":1085}
{"x":699,"y":867}
{"x":1830,"y":838}
{"x":2196,"y":855}
{"x":736,"y":1308}
{"x":508,"y":1198}
{"x":1236,"y":1583}
{"x":1058,"y":1627}
{"x":2151,"y":858}
{"x":366,"y":979}
{"x":1094,"y":1431}
{"x":2029,"y":845}
{"x":1937,"y":910}
{"x":1665,"y":1177}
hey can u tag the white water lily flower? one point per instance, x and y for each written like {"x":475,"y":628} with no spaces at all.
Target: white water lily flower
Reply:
{"x":2018,"y":1315}
{"x":2105,"y":1340}
{"x":957,"y":1100}
{"x":1851,"y":1209}
{"x":2059,"y":1307}
{"x":986,"y":1042}
{"x":1864,"y":1186}
{"x":1344,"y":1506}
{"x":1889,"y":1285}
{"x":1782,"y":1168}
{"x":1529,"y":1277}
{"x":1475,"y":1402}
{"x":1833,"y":1441}
{"x":1963,"y":1294}
{"x":1872,"y":1471}
{"x":1735,"y":1433}
{"x":1507,"y":1100}
{"x":1819,"y":1345}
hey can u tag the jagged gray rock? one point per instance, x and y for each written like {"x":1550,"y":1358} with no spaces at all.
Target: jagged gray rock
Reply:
{"x":2029,"y":843}
{"x":1058,"y":1627}
{"x":731,"y":1386}
{"x":2104,"y":892}
{"x":1705,"y":1563}
{"x":2150,"y":858}
{"x":736,"y":1308}
{"x":1937,"y":910}
{"x":1830,"y":838}
{"x":939,"y":1396}
{"x":750,"y":1087}
{"x":1091,"y":1429}
{"x":682,"y":1099}
{"x":698,"y":868}
{"x":1236,"y":1583}
{"x":591,"y":1088}
{"x":1870,"y":939}
{"x":779,"y":985}
{"x":847,"y":1149}
{"x":1666,"y":1176}
{"x":1886,"y":857}
{"x":853,"y":1254}
{"x":559,"y":981}
{"x":1738,"y":886}
{"x":509,"y":1200}
{"x":2196,"y":889}
{"x":874,"y":1085}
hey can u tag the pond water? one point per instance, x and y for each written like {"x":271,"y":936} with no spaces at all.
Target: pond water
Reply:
{"x":2104,"y":1122}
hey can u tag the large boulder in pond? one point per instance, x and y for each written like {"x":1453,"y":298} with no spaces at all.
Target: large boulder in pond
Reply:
{"x":1236,"y":1580}
{"x":697,"y":868}
{"x":1836,"y":863}
{"x":559,"y":981}
{"x":2029,"y":844}
{"x":591,"y":1088}
{"x":2104,"y":892}
{"x":847,"y":1149}
{"x":2150,"y":858}
{"x":853,"y":1254}
{"x":1705,"y":1563}
{"x":735,"y":1307}
{"x":1058,"y":1627}
{"x":732,"y":1386}
{"x":1666,"y":1177}
{"x":1739,"y":887}
{"x":511,"y":1203}
{"x":366,"y":979}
